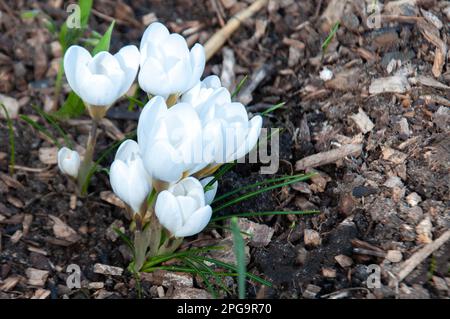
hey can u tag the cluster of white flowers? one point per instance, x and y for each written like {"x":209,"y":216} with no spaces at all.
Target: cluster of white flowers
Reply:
{"x":188,"y":128}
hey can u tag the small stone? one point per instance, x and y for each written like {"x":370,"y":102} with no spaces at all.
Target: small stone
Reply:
{"x":392,"y":84}
{"x":423,"y":230}
{"x":312,"y":238}
{"x":403,"y":127}
{"x":48,"y":155}
{"x":326,"y":74}
{"x":393,"y":156}
{"x":329,"y":272}
{"x":190,"y":293}
{"x":343,"y":261}
{"x":439,"y":283}
{"x":393,"y":181}
{"x":63,"y":231}
{"x":311,"y":291}
{"x":107,"y":270}
{"x":363,"y":122}
{"x":96,"y":285}
{"x":260,"y":234}
{"x":36,"y":277}
{"x":394,"y":256}
{"x":177,"y":279}
{"x":413,"y":199}
{"x":41,"y":294}
{"x":11,"y":105}
{"x":346,"y":204}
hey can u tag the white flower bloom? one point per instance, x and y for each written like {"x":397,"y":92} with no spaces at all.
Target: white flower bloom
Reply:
{"x":202,"y":92}
{"x":167,"y":65}
{"x":69,"y":162}
{"x":169,"y":139}
{"x":182,"y":209}
{"x":128,"y":177}
{"x":104,"y":78}
{"x":210,"y":194}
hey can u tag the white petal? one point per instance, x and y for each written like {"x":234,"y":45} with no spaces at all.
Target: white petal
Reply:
{"x":198,"y":61}
{"x":128,"y":58}
{"x":126,"y":150}
{"x":212,"y":81}
{"x":153,"y":78}
{"x":155,"y":33}
{"x":252,"y":137}
{"x":175,"y":46}
{"x":163,"y":162}
{"x":69,"y":161}
{"x":74,"y":58}
{"x":153,"y":110}
{"x":196,"y":223}
{"x":211,"y":194}
{"x":98,"y":90}
{"x":168,"y":211}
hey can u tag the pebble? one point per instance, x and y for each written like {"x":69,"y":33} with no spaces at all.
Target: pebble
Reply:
{"x":311,"y":291}
{"x":394,"y":256}
{"x":107,"y":270}
{"x":36,"y":277}
{"x":343,"y":261}
{"x":326,"y":74}
{"x":413,"y":199}
{"x":312,"y":238}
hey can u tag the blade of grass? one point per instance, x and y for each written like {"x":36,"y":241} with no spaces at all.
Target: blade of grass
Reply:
{"x":208,"y":284}
{"x":255,"y":214}
{"x":40,"y":128}
{"x":53,"y":123}
{"x":265,"y":182}
{"x":273,"y":108}
{"x":12,"y":143}
{"x":330,"y":36}
{"x":239,"y":86}
{"x":255,"y":193}
{"x":239,"y":252}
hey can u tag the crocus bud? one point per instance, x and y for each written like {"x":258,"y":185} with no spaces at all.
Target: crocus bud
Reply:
{"x":210,"y":193}
{"x":100,"y":80}
{"x":69,"y":162}
{"x":182,"y":209}
{"x":169,"y":139}
{"x":167,"y":65}
{"x":129,"y":180}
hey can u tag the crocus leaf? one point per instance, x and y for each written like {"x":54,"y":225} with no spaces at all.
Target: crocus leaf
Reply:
{"x":85,"y":12}
{"x":72,"y":107}
{"x":239,"y":252}
{"x":104,"y":43}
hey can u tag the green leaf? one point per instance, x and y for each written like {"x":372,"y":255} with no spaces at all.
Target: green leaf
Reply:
{"x":29,"y":14}
{"x":239,"y":252}
{"x":40,"y":128}
{"x":105,"y":41}
{"x":52,"y":121}
{"x":85,"y":12}
{"x":273,"y":108}
{"x":330,"y":36}
{"x":72,"y":107}
{"x":12,"y":144}
{"x":239,"y":86}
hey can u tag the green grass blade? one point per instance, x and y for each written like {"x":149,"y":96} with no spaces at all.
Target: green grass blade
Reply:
{"x":258,"y":192}
{"x":12,"y":143}
{"x":203,"y":275}
{"x":255,"y":214}
{"x":273,"y":108}
{"x":105,"y":41}
{"x":40,"y":128}
{"x":85,"y":12}
{"x":330,"y":36}
{"x":239,"y":86}
{"x":239,"y":252}
{"x":52,"y":121}
{"x":265,"y":182}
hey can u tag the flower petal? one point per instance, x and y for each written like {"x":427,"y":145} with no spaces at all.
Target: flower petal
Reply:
{"x":196,"y":223}
{"x":252,"y":137}
{"x":163,"y":162}
{"x":168,"y":211}
{"x":198,"y":60}
{"x":128,"y":58}
{"x":75,"y":57}
{"x":210,"y":194}
{"x":153,"y":110}
{"x":126,"y":150}
{"x":155,"y":33}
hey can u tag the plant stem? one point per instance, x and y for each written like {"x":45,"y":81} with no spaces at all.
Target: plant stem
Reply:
{"x":87,"y":162}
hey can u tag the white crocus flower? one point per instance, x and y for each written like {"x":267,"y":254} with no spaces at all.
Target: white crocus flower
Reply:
{"x":227,"y":132}
{"x":169,"y":139}
{"x":167,"y":65}
{"x":69,"y":162}
{"x":182,"y":209}
{"x":211,"y":193}
{"x":100,"y":80}
{"x":128,"y":177}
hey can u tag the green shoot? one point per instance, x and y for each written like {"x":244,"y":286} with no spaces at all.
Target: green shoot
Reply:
{"x":52,"y":121}
{"x":330,"y":36}
{"x":40,"y":128}
{"x":239,"y":86}
{"x":239,"y":252}
{"x":273,"y":108}
{"x":12,"y":144}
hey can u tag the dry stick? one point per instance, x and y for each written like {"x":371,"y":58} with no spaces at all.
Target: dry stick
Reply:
{"x":409,"y":265}
{"x":328,"y":157}
{"x":220,"y":37}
